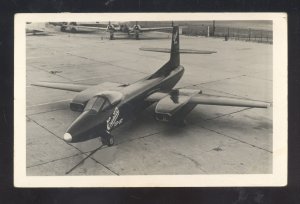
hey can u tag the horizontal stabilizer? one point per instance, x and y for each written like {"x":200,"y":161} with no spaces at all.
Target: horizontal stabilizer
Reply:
{"x":227,"y":101}
{"x":184,"y":51}
{"x":62,"y":86}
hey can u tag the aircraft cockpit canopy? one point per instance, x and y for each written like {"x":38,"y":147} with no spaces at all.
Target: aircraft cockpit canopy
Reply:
{"x":103,"y":101}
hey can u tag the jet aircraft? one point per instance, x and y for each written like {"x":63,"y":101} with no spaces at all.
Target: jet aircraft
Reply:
{"x":111,"y":28}
{"x":106,"y":106}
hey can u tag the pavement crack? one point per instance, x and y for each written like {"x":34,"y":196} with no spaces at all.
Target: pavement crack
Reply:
{"x":212,"y":81}
{"x":71,"y":145}
{"x":121,"y":67}
{"x":259,"y":78}
{"x":197,"y":164}
{"x":54,"y":160}
{"x":227,"y":114}
{"x":36,"y":67}
{"x":234,"y":95}
{"x":46,"y":111}
{"x":144,"y":136}
{"x":252,"y":145}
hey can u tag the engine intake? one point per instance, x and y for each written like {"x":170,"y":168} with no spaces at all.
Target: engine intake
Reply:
{"x":76,"y":107}
{"x":164,"y":117}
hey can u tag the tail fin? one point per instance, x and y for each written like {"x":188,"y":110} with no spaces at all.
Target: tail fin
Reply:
{"x":174,"y":61}
{"x":175,"y":57}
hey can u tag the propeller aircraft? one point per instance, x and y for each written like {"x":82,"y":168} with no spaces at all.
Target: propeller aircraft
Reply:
{"x":111,"y":28}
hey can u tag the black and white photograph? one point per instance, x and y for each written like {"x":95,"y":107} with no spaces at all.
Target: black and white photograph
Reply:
{"x":150,"y":100}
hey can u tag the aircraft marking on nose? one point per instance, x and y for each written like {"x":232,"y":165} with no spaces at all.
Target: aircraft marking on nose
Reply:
{"x":113,"y":120}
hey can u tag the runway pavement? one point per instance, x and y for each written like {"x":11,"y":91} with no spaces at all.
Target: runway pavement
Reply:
{"x":216,"y":140}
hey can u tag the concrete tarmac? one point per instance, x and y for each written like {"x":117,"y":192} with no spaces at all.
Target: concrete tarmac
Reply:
{"x":216,"y":139}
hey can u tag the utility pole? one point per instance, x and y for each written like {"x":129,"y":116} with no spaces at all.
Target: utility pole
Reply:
{"x":213,"y":28}
{"x":207,"y":31}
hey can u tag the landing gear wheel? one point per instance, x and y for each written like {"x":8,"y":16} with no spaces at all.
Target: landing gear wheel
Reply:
{"x":108,"y":140}
{"x":111,"y":36}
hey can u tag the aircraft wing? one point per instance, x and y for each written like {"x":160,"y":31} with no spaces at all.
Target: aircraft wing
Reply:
{"x":226,"y":101}
{"x":206,"y":99}
{"x":155,"y":29}
{"x":86,"y":27}
{"x":63,"y":86}
{"x":36,"y":32}
{"x":185,"y":51}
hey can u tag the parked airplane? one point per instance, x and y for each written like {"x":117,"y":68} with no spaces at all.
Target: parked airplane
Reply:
{"x":111,"y":28}
{"x":36,"y":29}
{"x":82,"y":27}
{"x":106,"y":106}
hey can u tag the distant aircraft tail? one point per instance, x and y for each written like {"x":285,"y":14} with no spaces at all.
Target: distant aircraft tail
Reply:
{"x":174,"y":61}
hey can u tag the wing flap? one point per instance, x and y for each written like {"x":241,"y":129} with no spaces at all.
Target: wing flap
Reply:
{"x":226,"y":101}
{"x":62,"y":86}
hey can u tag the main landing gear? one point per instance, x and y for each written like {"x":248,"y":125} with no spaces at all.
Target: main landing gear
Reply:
{"x":111,"y":35}
{"x":107,"y":139}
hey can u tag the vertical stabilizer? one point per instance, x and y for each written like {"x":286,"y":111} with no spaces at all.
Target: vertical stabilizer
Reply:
{"x":175,"y":58}
{"x":174,"y":61}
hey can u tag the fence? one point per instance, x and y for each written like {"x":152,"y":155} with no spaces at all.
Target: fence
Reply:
{"x":253,"y":35}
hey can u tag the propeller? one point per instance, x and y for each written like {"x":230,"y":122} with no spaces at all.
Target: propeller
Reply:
{"x":136,"y":27}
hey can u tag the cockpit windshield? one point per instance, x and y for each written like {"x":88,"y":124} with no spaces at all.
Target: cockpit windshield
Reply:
{"x":96,"y":104}
{"x":103,"y":101}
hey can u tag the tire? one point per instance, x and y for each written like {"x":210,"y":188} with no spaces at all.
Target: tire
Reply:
{"x":111,"y":36}
{"x":111,"y":141}
{"x":108,"y":140}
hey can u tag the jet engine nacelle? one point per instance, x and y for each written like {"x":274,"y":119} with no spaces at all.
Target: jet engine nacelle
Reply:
{"x":175,"y":106}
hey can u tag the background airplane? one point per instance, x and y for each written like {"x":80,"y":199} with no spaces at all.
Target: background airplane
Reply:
{"x":36,"y":29}
{"x":111,"y":28}
{"x":106,"y":106}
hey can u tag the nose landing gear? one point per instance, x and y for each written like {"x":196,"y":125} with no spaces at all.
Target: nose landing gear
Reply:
{"x":107,"y":139}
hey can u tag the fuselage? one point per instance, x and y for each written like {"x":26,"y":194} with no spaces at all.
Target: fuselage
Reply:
{"x":91,"y":124}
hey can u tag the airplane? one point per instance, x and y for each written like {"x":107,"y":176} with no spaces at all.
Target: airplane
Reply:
{"x":107,"y":106}
{"x":81,"y":27}
{"x":36,"y":29}
{"x":112,"y":28}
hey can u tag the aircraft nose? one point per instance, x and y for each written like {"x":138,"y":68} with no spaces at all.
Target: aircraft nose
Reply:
{"x":67,"y":137}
